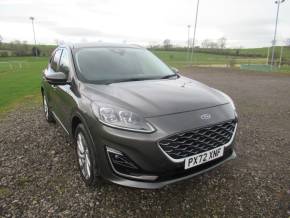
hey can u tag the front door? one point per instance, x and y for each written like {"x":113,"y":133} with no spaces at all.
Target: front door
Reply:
{"x":64,"y":101}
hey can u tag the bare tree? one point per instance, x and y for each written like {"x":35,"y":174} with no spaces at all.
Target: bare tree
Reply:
{"x":167,"y":44}
{"x":213,"y":45}
{"x":222,"y":42}
{"x":206,"y":43}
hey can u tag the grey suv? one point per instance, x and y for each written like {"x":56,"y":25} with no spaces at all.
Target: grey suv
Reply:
{"x":134,"y":120}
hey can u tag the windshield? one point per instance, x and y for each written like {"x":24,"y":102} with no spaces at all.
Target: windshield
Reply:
{"x":108,"y":65}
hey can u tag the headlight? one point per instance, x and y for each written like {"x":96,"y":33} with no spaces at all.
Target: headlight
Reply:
{"x":120,"y":118}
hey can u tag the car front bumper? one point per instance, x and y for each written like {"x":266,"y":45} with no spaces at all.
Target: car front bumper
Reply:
{"x":177,"y":178}
{"x":144,"y":151}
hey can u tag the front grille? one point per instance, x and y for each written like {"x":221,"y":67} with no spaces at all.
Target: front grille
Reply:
{"x":185,"y":144}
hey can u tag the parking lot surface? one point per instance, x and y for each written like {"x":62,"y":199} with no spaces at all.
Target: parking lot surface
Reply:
{"x":39,"y":175}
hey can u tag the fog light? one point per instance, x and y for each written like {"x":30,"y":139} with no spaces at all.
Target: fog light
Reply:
{"x":124,"y":166}
{"x":120,"y":160}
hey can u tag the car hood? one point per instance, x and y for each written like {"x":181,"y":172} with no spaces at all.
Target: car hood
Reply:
{"x":157,"y":97}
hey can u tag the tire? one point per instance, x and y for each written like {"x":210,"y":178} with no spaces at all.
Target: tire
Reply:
{"x":47,"y":113}
{"x":86,"y":157}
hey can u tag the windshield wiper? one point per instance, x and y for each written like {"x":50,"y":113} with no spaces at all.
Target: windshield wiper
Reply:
{"x":169,"y":76}
{"x":140,"y":79}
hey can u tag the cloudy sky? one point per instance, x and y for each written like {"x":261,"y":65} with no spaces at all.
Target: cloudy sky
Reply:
{"x":246,"y":23}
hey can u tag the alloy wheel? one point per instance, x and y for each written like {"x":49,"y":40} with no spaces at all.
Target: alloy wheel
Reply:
{"x":83,"y":156}
{"x":45,"y":107}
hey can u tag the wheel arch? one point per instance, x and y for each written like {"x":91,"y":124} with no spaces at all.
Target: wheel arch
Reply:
{"x":74,"y":123}
{"x":76,"y":119}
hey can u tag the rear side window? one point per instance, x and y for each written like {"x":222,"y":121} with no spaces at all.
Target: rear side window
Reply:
{"x":55,"y":60}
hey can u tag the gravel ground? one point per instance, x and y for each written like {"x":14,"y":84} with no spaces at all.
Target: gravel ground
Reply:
{"x":39,"y":175}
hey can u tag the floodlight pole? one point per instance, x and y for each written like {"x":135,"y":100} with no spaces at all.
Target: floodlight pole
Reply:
{"x":32,"y":21}
{"x":276,"y":24}
{"x":194,"y":32}
{"x":188,"y":43}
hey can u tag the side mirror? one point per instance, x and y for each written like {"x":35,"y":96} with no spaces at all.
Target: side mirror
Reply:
{"x":56,"y":78}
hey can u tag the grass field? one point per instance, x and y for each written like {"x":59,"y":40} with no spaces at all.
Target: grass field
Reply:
{"x":182,"y":58}
{"x":19,"y":80}
{"x":263,"y":51}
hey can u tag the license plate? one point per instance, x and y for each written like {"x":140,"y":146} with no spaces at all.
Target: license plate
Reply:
{"x":204,"y":157}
